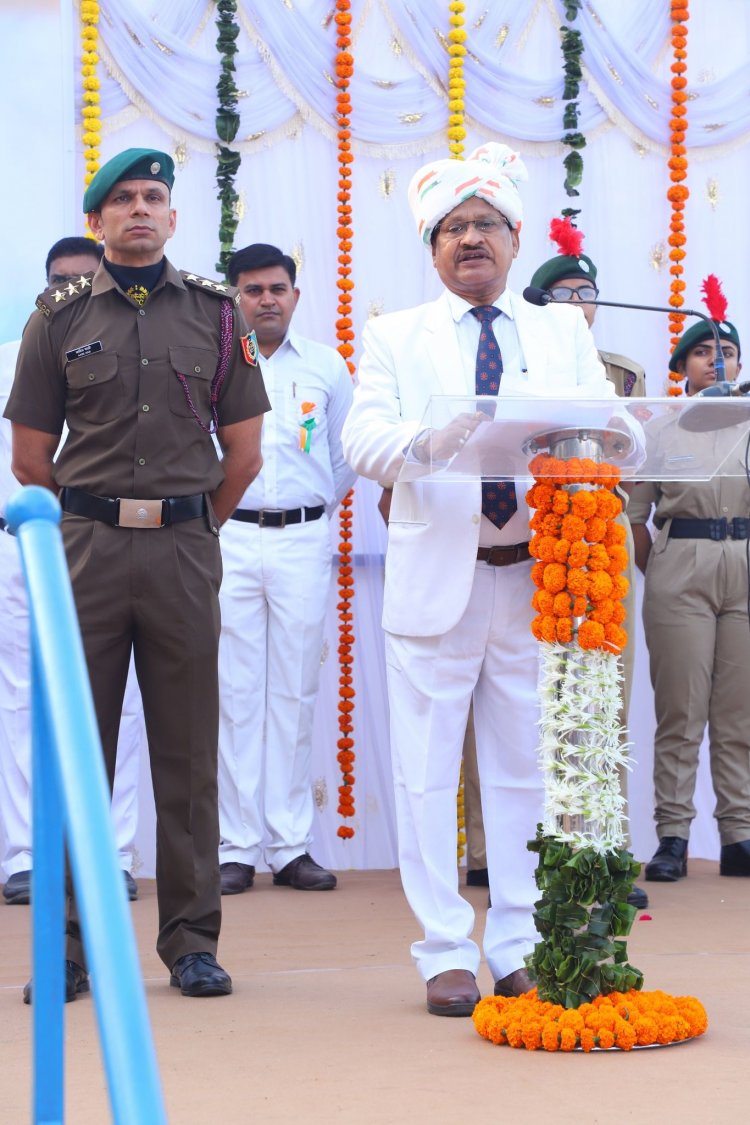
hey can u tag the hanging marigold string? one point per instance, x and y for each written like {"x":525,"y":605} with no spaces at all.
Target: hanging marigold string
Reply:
{"x":91,"y":129}
{"x":622,"y":1019}
{"x":581,"y":553}
{"x":345,"y":336}
{"x":677,"y":193}
{"x":456,"y":83}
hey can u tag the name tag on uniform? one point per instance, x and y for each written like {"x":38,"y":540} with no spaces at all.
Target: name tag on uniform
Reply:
{"x":84,"y":350}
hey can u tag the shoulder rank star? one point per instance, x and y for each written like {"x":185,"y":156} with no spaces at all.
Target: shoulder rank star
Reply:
{"x":250,"y":348}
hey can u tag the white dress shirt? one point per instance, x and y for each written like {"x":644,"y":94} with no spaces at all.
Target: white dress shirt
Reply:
{"x":310,"y":390}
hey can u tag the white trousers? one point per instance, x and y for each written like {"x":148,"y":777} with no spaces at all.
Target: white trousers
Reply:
{"x":274,"y":596}
{"x":491,"y":654}
{"x":15,"y":731}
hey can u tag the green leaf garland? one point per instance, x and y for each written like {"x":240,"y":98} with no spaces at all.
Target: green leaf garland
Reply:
{"x":572,"y":49}
{"x":227,"y":123}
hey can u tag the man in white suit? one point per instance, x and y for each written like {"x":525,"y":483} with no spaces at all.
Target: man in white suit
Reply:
{"x":457,"y":610}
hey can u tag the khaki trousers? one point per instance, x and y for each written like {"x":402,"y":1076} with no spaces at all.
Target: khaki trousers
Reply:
{"x":156,"y":592}
{"x":696,"y":622}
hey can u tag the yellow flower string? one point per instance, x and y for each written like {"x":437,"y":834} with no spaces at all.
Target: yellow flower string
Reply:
{"x":91,"y":129}
{"x":456,"y":83}
{"x":621,"y":1019}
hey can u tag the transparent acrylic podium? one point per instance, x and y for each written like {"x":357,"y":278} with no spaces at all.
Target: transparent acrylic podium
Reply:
{"x":494,"y":438}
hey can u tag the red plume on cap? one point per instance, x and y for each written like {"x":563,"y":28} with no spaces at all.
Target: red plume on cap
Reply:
{"x":568,"y":239}
{"x":713,"y":298}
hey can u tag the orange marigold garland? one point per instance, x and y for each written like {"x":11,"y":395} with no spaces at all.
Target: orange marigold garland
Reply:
{"x":677,"y":193}
{"x":622,"y":1019}
{"x":345,"y":336}
{"x":90,"y":109}
{"x":581,"y":554}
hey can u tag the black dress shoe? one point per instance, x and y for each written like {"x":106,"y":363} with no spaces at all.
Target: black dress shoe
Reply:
{"x":669,"y":861}
{"x":131,"y":887}
{"x":735,"y":858}
{"x":200,"y":974}
{"x":638,"y":898}
{"x":304,"y":874}
{"x":76,"y":980}
{"x":17,"y":890}
{"x":236,"y":877}
{"x":477,"y":877}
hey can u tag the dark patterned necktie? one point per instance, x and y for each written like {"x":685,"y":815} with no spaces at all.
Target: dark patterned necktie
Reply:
{"x":498,"y":497}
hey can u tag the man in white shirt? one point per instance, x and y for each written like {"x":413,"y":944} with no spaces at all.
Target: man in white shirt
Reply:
{"x":276,"y":552}
{"x":67,"y":260}
{"x":457,"y":605}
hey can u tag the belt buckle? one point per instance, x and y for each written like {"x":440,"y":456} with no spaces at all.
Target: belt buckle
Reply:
{"x":717,"y":529}
{"x":271,"y":512}
{"x":140,"y":513}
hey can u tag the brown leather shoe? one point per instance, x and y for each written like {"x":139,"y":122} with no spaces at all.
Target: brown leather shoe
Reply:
{"x":452,"y":993}
{"x":515,"y":984}
{"x":304,"y":874}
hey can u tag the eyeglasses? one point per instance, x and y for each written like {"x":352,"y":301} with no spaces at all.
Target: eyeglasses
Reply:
{"x":565,"y":293}
{"x":482,"y":226}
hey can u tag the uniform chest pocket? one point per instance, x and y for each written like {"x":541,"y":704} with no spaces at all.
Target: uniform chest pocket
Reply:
{"x":190,"y":379}
{"x":305,"y":413}
{"x":95,"y":390}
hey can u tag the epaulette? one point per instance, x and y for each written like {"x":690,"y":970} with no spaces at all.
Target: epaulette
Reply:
{"x":622,"y":361}
{"x":218,"y":288}
{"x":60,"y":296}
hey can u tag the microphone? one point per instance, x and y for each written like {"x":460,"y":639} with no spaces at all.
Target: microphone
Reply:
{"x":536,"y":296}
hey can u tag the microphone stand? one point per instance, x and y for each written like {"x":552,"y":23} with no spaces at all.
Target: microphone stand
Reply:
{"x":542,"y":297}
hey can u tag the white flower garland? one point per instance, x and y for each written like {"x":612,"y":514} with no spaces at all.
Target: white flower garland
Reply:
{"x":582,"y":745}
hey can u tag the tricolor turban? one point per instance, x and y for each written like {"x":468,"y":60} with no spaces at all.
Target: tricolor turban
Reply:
{"x":491,"y":172}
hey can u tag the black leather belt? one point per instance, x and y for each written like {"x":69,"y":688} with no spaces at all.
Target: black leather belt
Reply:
{"x":277,"y":517}
{"x":504,"y":556}
{"x":122,"y":512}
{"x":737,"y":528}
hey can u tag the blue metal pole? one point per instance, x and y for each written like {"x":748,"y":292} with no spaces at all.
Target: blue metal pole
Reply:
{"x":47,"y":909}
{"x":127,"y":1044}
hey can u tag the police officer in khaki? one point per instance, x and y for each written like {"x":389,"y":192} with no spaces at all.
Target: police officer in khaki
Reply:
{"x":696,"y":621}
{"x":144,"y":362}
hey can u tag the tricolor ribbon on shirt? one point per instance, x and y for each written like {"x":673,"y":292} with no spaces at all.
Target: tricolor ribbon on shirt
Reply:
{"x":307,"y":424}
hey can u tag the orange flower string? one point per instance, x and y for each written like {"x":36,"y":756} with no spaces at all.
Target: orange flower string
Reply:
{"x":621,"y":1019}
{"x":345,"y":336}
{"x":678,"y":193}
{"x":581,"y":554}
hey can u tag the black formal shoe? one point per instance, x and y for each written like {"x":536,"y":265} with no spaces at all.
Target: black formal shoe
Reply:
{"x":452,"y":993}
{"x":304,"y":874}
{"x":76,"y":980}
{"x":735,"y":858}
{"x":669,"y":861}
{"x":638,"y":898}
{"x":236,"y":877}
{"x":477,"y":877}
{"x":200,"y":974}
{"x":131,"y":887}
{"x":17,"y":890}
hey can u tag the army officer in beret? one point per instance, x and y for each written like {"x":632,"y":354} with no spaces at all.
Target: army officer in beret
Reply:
{"x":144,"y":362}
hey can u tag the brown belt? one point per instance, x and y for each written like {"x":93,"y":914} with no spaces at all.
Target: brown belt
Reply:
{"x":504,"y":556}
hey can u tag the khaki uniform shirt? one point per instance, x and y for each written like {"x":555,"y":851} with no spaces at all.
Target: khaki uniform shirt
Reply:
{"x":628,"y":377}
{"x":90,"y":356}
{"x":690,"y":499}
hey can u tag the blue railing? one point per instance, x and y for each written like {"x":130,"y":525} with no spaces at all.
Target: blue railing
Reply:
{"x":71,"y":802}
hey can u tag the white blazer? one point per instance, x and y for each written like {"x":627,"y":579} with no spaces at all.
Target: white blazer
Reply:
{"x":433,"y":533}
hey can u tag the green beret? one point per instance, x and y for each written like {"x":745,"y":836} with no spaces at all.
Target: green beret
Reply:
{"x":699,"y":332}
{"x":132,"y":164}
{"x":563,"y":265}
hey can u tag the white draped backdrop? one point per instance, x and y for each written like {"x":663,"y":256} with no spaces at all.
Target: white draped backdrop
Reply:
{"x":159,"y":71}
